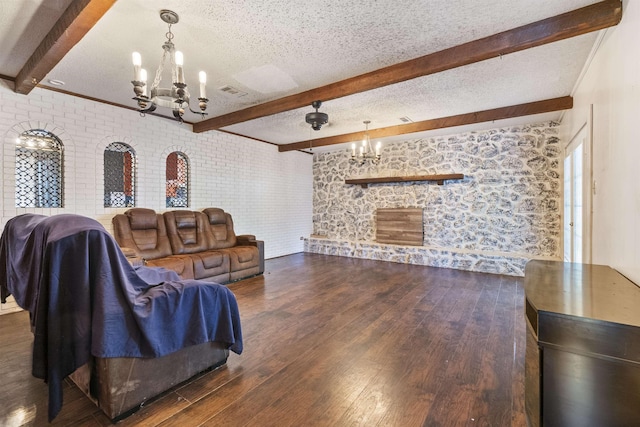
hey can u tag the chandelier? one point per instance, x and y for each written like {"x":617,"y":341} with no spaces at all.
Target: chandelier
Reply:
{"x":365,"y":152}
{"x":177,"y":96}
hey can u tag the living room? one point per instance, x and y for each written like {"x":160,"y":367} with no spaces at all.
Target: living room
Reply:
{"x":281,"y":197}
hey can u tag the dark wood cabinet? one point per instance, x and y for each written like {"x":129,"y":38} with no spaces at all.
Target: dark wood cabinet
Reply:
{"x":582,"y":364}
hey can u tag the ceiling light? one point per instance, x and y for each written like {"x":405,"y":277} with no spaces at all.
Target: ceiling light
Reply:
{"x":56,"y":82}
{"x":316,"y":119}
{"x":366,"y":151}
{"x":176,"y":97}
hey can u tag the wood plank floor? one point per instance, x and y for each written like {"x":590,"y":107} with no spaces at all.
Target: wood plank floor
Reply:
{"x":331,"y":341}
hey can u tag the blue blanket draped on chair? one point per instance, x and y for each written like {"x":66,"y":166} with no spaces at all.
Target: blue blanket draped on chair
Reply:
{"x":86,"y":299}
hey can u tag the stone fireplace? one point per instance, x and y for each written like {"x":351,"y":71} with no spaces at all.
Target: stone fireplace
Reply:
{"x":506,"y":210}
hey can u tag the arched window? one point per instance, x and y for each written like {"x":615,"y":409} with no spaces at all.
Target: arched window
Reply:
{"x":177,"y":175}
{"x":119,"y":176}
{"x":39,"y":170}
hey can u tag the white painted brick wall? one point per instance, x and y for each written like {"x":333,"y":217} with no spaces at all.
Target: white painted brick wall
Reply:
{"x":269,"y":194}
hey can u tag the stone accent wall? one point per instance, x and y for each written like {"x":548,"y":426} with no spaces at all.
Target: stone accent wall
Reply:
{"x":506,"y":211}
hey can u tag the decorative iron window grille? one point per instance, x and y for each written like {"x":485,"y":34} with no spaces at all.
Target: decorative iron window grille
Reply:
{"x":119,"y":175}
{"x":177,"y":180}
{"x":39,"y":170}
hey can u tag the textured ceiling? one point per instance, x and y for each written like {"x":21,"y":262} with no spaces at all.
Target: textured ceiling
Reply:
{"x":268,"y":49}
{"x":23,"y":24}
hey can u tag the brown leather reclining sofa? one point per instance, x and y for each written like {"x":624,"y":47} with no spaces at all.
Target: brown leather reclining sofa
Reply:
{"x":196,"y":245}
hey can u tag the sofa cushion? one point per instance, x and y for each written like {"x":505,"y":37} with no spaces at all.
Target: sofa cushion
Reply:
{"x":220,"y":229}
{"x":211,"y":265}
{"x":187,"y":231}
{"x":216,"y":216}
{"x":245,"y":261}
{"x":186,"y":226}
{"x":211,"y":259}
{"x":185,"y":219}
{"x":143,"y":231}
{"x":142,"y":219}
{"x":246,"y":254}
{"x":242,"y":257}
{"x":146,"y":240}
{"x":183,"y":265}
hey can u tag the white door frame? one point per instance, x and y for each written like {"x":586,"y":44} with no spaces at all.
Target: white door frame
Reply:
{"x":587,"y":184}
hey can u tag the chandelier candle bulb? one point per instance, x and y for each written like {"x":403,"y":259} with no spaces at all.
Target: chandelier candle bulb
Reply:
{"x":378,"y":147}
{"x":137,"y":62}
{"x":353,"y":149}
{"x":143,"y":79}
{"x":203,"y":83}
{"x":179,"y":63}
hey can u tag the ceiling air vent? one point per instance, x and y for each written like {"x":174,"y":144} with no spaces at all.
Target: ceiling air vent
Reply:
{"x":406,"y":119}
{"x":232,"y":91}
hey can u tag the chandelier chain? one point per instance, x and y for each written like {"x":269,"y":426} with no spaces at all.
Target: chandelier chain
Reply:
{"x":156,"y":80}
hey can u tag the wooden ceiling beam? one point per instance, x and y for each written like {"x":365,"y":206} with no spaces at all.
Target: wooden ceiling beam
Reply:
{"x":538,"y":107}
{"x":76,"y":21}
{"x":580,"y":21}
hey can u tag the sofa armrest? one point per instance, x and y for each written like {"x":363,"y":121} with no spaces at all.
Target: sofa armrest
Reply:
{"x":250,"y":240}
{"x":128,"y":252}
{"x":132,"y":257}
{"x":246,"y":239}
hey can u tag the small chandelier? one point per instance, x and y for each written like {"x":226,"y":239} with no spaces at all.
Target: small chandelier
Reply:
{"x":366,"y":151}
{"x":176,"y":97}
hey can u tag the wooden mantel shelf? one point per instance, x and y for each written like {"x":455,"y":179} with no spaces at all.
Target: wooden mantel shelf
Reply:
{"x":440,"y":179}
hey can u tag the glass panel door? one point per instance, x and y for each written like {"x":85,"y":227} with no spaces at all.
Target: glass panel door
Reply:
{"x":576,"y":190}
{"x":568,"y":211}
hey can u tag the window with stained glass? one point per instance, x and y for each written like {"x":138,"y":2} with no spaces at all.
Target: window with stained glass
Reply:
{"x":177,"y":180}
{"x":119,"y":175}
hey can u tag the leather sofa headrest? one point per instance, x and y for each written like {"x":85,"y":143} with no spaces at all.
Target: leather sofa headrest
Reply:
{"x":185,"y":219}
{"x":142,"y":219}
{"x":215,"y":216}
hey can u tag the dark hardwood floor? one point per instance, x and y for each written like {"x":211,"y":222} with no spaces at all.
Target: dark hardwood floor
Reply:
{"x":331,"y":341}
